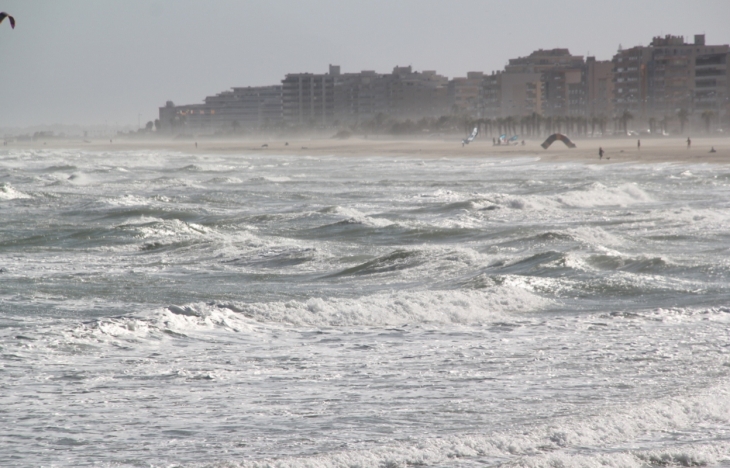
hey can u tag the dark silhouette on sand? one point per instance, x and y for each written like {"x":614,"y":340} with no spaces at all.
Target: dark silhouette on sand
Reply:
{"x":557,"y":136}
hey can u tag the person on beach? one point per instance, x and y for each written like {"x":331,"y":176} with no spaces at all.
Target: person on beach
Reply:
{"x":712,"y":150}
{"x":689,"y":142}
{"x":600,"y":152}
{"x":638,"y":145}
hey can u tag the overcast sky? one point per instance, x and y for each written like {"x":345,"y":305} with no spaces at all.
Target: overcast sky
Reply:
{"x":102,"y":61}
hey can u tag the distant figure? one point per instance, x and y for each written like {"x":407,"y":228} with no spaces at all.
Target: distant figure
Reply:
{"x":600,"y":152}
{"x":523,"y":142}
{"x":4,"y":15}
{"x":712,"y":150}
{"x":196,"y":144}
{"x":286,"y":144}
{"x":689,"y":142}
{"x":638,"y":145}
{"x":110,"y":141}
{"x":494,"y":142}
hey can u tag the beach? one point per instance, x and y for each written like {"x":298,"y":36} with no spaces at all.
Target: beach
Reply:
{"x":617,"y":150}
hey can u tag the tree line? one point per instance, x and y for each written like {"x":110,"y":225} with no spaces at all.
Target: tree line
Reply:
{"x":533,"y":125}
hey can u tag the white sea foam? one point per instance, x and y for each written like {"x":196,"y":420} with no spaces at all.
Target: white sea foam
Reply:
{"x":396,"y":309}
{"x":356,"y":216}
{"x":377,"y":312}
{"x":8,"y":192}
{"x":598,"y":194}
{"x":617,"y":437}
{"x":597,"y":237}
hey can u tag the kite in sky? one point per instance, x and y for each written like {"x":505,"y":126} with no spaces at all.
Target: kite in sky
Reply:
{"x":4,"y":15}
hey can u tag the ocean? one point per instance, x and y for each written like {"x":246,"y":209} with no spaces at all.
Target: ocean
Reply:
{"x":160,"y":309}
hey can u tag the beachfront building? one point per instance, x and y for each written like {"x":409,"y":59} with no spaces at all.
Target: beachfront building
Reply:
{"x":359,"y":97}
{"x":308,"y":99}
{"x":334,"y":98}
{"x":492,"y":95}
{"x":599,"y":87}
{"x":520,"y":93}
{"x":668,"y":75}
{"x":551,"y":83}
{"x":248,"y":108}
{"x":466,"y":95}
{"x":652,"y":84}
{"x":414,"y":95}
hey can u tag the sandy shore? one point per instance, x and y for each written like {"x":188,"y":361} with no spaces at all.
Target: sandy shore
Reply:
{"x":616,"y":150}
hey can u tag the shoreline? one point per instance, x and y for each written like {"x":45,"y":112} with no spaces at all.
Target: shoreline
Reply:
{"x":659,"y":150}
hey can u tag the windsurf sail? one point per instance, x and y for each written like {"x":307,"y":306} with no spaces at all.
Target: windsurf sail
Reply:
{"x":557,"y":136}
{"x":471,"y":137}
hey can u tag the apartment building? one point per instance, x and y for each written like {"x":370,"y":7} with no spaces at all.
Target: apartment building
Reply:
{"x":670,"y":74}
{"x":466,"y":95}
{"x":599,"y":87}
{"x":323,"y":100}
{"x":551,"y":83}
{"x":238,"y":108}
{"x":651,"y":82}
{"x":308,"y":99}
{"x":414,"y":95}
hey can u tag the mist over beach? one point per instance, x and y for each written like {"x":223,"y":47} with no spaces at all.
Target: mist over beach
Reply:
{"x":315,"y":234}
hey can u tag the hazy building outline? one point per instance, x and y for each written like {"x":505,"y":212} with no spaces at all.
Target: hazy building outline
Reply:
{"x":644,"y":82}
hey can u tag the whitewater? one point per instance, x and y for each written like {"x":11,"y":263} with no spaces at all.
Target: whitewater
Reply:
{"x":162,"y":309}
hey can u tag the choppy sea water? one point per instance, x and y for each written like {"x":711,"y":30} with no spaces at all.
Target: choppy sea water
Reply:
{"x":164,"y":309}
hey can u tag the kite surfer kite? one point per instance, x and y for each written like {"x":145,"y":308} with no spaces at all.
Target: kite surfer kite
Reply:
{"x":4,"y":15}
{"x":557,"y":136}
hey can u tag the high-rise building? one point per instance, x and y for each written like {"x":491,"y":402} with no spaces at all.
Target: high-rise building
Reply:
{"x":359,"y":97}
{"x":323,"y":100}
{"x":599,"y":87}
{"x":238,"y":108}
{"x":670,"y":74}
{"x":309,"y":99}
{"x":413,"y":95}
{"x":466,"y":95}
{"x":547,"y":82}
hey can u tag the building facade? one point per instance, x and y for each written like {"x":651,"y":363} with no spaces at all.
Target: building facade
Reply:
{"x":669,"y":75}
{"x":650,"y":82}
{"x":334,"y":98}
{"x":239,"y":108}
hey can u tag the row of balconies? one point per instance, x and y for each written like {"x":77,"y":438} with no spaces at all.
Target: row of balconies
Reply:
{"x":711,"y":72}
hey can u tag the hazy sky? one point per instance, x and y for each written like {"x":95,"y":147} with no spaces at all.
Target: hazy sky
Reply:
{"x":103,"y":61}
